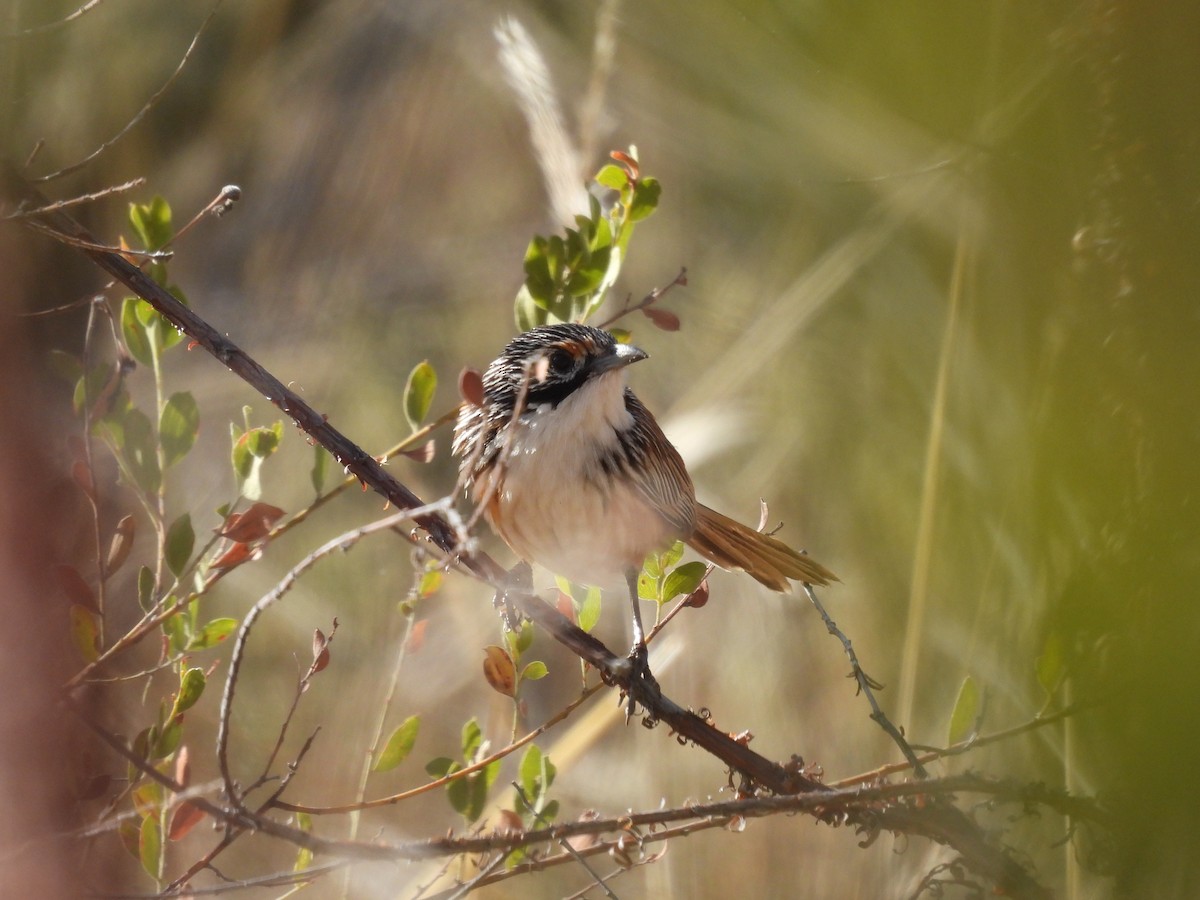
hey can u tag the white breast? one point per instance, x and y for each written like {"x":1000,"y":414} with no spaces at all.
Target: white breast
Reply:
{"x":558,"y":509}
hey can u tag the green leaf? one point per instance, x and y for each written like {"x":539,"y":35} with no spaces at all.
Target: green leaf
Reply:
{"x":178,"y":630}
{"x":85,"y":632}
{"x":178,"y":426}
{"x":530,"y":771}
{"x":141,"y":452}
{"x":528,"y":313}
{"x":133,"y":330}
{"x":250,"y":449}
{"x":168,"y":739}
{"x":304,"y":856}
{"x":524,"y":637}
{"x":398,"y":745}
{"x":145,"y":588}
{"x":549,"y":812}
{"x":441,"y":767}
{"x":1050,"y":664}
{"x":150,"y":847}
{"x":534,"y":670}
{"x":589,"y":611}
{"x":213,"y":633}
{"x":612,"y":177}
{"x":152,"y":223}
{"x":472,"y":739}
{"x":320,"y":467}
{"x":967,"y":709}
{"x":683,"y":580}
{"x":646,"y":194}
{"x":418,"y":393}
{"x":191,"y":686}
{"x":672,"y":555}
{"x":647,"y":587}
{"x":429,"y":584}
{"x":180,"y":541}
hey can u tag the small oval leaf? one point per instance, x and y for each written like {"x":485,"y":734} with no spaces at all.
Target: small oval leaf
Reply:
{"x":499,"y":670}
{"x":122,"y":543}
{"x":965,"y":717}
{"x":399,"y":745}
{"x":684,"y":580}
{"x":178,"y":426}
{"x":418,"y":393}
{"x":180,"y":541}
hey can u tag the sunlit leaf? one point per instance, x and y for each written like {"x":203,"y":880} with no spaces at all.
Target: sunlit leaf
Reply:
{"x":418,"y":393}
{"x":152,"y":223}
{"x":150,"y":847}
{"x":320,"y":467}
{"x":534,"y":671}
{"x":255,"y":523}
{"x":472,"y":739}
{"x":134,"y":333}
{"x":185,"y":817}
{"x":304,"y":856}
{"x":178,"y":426}
{"x":191,"y":687}
{"x":499,"y":671}
{"x":85,"y":632}
{"x":589,"y":609}
{"x":122,"y":543}
{"x":646,"y":194}
{"x":683,"y":580}
{"x":399,"y":745}
{"x":213,"y":633}
{"x":965,"y":717}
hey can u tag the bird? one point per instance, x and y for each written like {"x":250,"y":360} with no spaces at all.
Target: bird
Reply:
{"x":574,"y":473}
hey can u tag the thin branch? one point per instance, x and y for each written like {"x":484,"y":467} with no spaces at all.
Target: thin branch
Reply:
{"x":237,"y":654}
{"x":868,"y":686}
{"x":57,"y":23}
{"x":141,"y":113}
{"x":76,"y":201}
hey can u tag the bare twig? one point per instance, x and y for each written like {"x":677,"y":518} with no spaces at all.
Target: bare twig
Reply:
{"x":868,"y":686}
{"x":141,"y":113}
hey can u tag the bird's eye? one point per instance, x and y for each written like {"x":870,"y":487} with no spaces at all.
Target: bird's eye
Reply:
{"x":561,"y":362}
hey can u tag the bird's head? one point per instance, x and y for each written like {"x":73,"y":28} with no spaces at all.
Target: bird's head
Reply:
{"x":554,"y":361}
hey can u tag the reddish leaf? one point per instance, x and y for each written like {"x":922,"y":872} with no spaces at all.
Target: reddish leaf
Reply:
{"x":96,"y":786}
{"x":234,"y":556}
{"x":320,"y":647}
{"x":422,"y":454}
{"x":256,"y":522}
{"x":628,"y":162}
{"x":508,"y":823}
{"x":416,"y":638}
{"x":566,"y":605}
{"x":499,"y":670}
{"x":662,"y":318}
{"x":76,"y":589}
{"x":470,"y":386}
{"x":183,"y":769}
{"x":699,"y":596}
{"x":186,"y":817}
{"x":122,"y":543}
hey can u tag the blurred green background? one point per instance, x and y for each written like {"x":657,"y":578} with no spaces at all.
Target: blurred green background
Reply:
{"x":942,"y":315}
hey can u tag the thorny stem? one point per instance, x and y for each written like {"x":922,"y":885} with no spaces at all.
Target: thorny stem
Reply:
{"x":867,"y":686}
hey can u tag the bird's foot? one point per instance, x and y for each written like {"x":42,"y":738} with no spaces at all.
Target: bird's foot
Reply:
{"x":642,"y":687}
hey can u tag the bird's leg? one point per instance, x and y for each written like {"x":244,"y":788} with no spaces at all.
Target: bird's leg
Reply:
{"x":640,"y":678}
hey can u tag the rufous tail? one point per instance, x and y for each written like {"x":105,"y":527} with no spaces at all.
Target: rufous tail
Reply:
{"x":732,"y":545}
